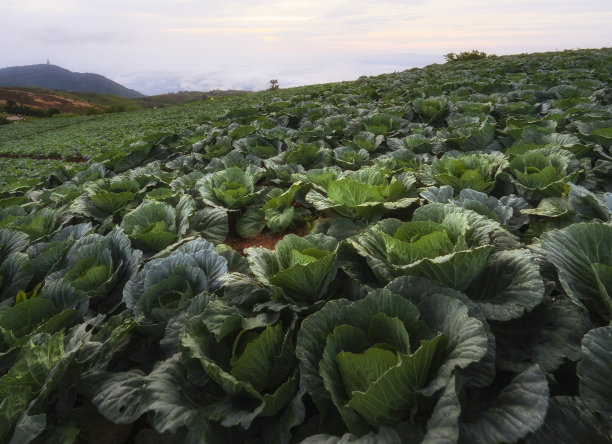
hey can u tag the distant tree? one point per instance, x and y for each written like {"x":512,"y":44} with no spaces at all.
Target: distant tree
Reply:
{"x":116,"y":109}
{"x":11,"y":107}
{"x":23,"y":110}
{"x":92,"y":111}
{"x":52,"y":112}
{"x":465,"y":55}
{"x":273,"y":85}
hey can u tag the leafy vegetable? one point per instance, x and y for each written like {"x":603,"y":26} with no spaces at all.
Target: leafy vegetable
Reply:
{"x":582,"y":254}
{"x":166,"y":285}
{"x":301,"y":268}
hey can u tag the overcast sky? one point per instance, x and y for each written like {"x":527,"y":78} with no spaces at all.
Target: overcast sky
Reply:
{"x":158,"y":46}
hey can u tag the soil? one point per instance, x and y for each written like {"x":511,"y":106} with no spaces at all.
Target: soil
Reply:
{"x":267,"y":240}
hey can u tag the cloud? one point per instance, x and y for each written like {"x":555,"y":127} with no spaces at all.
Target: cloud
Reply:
{"x":283,"y":19}
{"x":218,"y":30}
{"x":255,"y":75}
{"x":156,"y":45}
{"x":75,"y":37}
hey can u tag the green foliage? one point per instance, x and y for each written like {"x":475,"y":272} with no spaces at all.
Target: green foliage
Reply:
{"x":466,"y":55}
{"x":421,"y":256}
{"x":12,"y":108}
{"x":365,"y":193}
{"x":299,"y":270}
{"x":165,"y":286}
{"x":53,"y":112}
{"x":583,"y":255}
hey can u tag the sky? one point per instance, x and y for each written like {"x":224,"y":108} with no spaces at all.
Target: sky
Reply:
{"x":157,"y":46}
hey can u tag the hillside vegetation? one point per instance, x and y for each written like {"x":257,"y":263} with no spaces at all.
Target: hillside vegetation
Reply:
{"x":55,"y":77}
{"x":88,"y":103}
{"x":42,"y":99}
{"x":417,"y":257}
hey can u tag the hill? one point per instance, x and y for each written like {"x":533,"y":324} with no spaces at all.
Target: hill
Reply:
{"x":181,"y":97}
{"x":56,"y":77}
{"x":39,"y":98}
{"x":82,"y":103}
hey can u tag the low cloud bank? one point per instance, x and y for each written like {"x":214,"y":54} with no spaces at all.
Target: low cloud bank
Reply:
{"x":256,"y":76}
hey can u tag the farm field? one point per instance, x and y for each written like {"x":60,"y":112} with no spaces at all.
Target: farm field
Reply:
{"x":416,"y":257}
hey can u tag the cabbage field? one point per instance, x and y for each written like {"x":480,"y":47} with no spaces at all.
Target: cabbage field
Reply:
{"x":418,"y":257}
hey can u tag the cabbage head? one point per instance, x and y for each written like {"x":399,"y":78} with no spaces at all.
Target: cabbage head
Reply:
{"x":366,"y":193}
{"x":247,"y":360}
{"x":96,"y":267}
{"x":542,"y":173}
{"x":582,"y":254}
{"x":166,"y":285}
{"x":259,"y":146}
{"x":154,"y":225}
{"x":364,"y":140}
{"x":279,"y":211}
{"x":598,"y":131}
{"x":47,"y":256}
{"x":372,"y":359}
{"x":299,"y":269}
{"x":455,"y":247}
{"x":220,"y":147}
{"x":350,"y":158}
{"x":231,"y":188}
{"x":431,"y":109}
{"x":380,"y":124}
{"x":101,"y":199}
{"x":36,"y":225}
{"x":461,"y":171}
{"x":302,"y":153}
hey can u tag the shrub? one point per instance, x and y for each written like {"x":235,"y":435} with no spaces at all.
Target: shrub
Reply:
{"x":465,"y":55}
{"x":23,"y":110}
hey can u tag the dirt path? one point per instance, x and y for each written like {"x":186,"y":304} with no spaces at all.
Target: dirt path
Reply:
{"x":73,"y":159}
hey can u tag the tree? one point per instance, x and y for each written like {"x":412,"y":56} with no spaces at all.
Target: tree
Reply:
{"x":273,"y":85}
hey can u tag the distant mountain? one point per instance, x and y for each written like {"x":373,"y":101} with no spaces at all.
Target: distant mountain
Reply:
{"x":55,"y":77}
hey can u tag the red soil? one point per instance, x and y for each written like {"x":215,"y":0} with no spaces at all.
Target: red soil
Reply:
{"x":266,"y":240}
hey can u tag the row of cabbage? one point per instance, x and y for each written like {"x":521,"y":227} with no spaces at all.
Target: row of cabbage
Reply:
{"x":454,"y":286}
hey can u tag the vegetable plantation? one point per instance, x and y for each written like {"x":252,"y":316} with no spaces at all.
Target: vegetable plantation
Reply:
{"x":418,"y":257}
